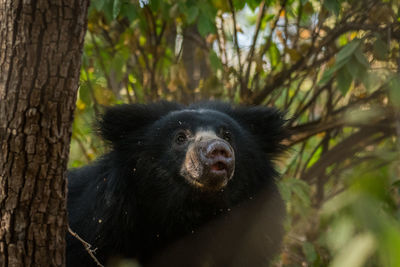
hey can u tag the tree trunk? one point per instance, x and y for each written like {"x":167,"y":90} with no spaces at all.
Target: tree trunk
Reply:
{"x":40,"y":55}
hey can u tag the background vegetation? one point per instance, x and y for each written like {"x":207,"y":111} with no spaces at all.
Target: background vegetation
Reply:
{"x":332,"y":65}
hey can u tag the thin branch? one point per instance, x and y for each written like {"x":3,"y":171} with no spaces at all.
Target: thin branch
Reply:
{"x":102,"y":65}
{"x":255,"y":37}
{"x":82,"y":147}
{"x":235,"y":37}
{"x":91,"y":90}
{"x":87,"y":247}
{"x":347,"y":148}
{"x":236,"y":44}
{"x":273,"y":27}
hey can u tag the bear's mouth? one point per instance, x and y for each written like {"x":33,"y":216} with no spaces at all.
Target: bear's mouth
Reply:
{"x":219,"y":166}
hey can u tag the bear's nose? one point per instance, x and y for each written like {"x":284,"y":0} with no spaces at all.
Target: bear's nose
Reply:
{"x":218,"y":149}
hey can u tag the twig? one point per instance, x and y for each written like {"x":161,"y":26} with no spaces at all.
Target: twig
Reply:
{"x":82,"y":147}
{"x":87,"y":247}
{"x":236,"y":44}
{"x":255,"y":37}
{"x":90,"y":86}
{"x":101,"y":62}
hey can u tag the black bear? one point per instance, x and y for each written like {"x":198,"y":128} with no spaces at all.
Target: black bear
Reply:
{"x":181,"y":186}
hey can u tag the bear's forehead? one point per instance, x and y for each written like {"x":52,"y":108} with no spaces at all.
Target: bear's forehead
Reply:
{"x":194,"y":118}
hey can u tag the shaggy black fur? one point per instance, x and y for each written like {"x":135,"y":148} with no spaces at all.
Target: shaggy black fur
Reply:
{"x":133,"y":201}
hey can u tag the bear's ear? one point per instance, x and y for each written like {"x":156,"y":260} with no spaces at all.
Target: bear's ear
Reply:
{"x":266,"y":124}
{"x":119,"y":121}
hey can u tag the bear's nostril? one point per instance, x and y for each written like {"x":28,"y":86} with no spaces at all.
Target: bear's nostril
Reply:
{"x":220,"y":152}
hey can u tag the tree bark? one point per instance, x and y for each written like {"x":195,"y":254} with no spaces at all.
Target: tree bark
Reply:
{"x":40,"y":55}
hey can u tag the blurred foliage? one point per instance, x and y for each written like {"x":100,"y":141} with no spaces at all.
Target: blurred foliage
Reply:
{"x":332,"y":65}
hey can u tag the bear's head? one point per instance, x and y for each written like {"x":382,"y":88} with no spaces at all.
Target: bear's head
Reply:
{"x":205,"y":147}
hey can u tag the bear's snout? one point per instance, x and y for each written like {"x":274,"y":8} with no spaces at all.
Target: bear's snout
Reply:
{"x":209,"y":163}
{"x":217,"y":157}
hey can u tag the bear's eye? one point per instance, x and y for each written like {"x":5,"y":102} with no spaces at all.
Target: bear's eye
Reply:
{"x":180,"y":138}
{"x":226,"y":135}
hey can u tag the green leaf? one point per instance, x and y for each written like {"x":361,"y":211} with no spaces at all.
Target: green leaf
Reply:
{"x":302,"y":194}
{"x":344,"y":80}
{"x":253,"y":4}
{"x":205,"y":25}
{"x":372,"y":81}
{"x":155,"y":4}
{"x":326,"y":76}
{"x":85,"y":60}
{"x":215,"y":61}
{"x":309,"y":251}
{"x":315,"y":157}
{"x":347,"y":50}
{"x":328,"y":73}
{"x":355,"y":68}
{"x":333,"y":6}
{"x":274,"y":54}
{"x":84,"y":93}
{"x":381,"y":49}
{"x":98,"y":4}
{"x":239,"y":4}
{"x":342,"y":58}
{"x":192,"y":14}
{"x":285,"y":190}
{"x":394,"y":86}
{"x":299,"y":188}
{"x":129,"y":11}
{"x":361,"y":57}
{"x":108,"y":10}
{"x":116,"y":8}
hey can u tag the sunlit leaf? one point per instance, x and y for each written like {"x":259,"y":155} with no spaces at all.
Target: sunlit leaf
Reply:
{"x":274,"y":54}
{"x":215,"y":61}
{"x":116,"y":8}
{"x":84,"y":94}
